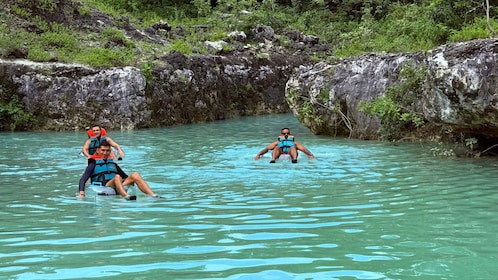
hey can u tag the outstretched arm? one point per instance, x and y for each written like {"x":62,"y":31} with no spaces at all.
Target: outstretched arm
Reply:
{"x":266,"y":149}
{"x":303,"y":149}
{"x":86,"y":148}
{"x":115,"y":145}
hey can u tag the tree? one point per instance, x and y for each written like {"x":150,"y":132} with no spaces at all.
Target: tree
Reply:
{"x":493,"y":33}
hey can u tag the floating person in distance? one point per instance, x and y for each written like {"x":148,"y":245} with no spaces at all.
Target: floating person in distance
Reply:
{"x":285,"y":145}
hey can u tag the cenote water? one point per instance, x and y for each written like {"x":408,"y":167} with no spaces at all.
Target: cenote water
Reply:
{"x":361,"y":210}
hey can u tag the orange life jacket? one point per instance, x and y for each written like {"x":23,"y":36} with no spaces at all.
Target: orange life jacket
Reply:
{"x":96,"y":157}
{"x":90,"y":133}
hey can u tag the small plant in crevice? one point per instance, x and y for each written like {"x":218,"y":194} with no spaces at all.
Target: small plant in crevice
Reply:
{"x":249,"y":87}
{"x":13,"y":114}
{"x":307,"y":113}
{"x":147,"y":71}
{"x":441,"y":150}
{"x":324,"y":96}
{"x":388,"y":112}
{"x":455,"y":144}
{"x":307,"y":110}
{"x":397,"y":108}
{"x":471,"y":143}
{"x":262,"y":55}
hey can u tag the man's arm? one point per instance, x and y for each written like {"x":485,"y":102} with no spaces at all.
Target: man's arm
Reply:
{"x":115,"y":145}
{"x":121,"y":172}
{"x":302,"y":148}
{"x":266,"y":149}
{"x":86,"y":148}
{"x":85,"y":176}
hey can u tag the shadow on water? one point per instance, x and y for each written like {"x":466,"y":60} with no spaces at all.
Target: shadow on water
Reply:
{"x":361,"y":210}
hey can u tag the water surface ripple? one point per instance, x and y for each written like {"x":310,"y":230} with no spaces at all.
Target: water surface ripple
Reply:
{"x":361,"y":210}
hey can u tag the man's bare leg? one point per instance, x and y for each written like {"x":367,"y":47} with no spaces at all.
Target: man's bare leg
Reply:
{"x":118,"y":184}
{"x":293,"y":154}
{"x":275,"y":154}
{"x":141,"y":184}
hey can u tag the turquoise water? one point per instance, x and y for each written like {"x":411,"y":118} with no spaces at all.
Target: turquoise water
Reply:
{"x":361,"y":210}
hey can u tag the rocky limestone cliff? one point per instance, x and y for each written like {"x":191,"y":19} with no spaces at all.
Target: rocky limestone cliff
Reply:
{"x":325,"y":97}
{"x":72,"y":97}
{"x":182,"y":90}
{"x":459,"y":92}
{"x":461,"y":89}
{"x":206,"y":88}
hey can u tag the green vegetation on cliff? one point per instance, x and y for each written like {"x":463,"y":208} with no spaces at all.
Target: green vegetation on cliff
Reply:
{"x":13,"y":116}
{"x":111,"y":32}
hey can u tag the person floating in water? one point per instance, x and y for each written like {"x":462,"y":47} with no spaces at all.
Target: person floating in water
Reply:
{"x":97,"y":134}
{"x":285,"y":144}
{"x":103,"y":170}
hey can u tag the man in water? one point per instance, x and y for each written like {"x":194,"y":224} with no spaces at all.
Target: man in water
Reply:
{"x":92,"y":143}
{"x":102,"y":169}
{"x":285,"y":144}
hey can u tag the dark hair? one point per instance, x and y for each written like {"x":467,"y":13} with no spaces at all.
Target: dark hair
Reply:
{"x":104,"y":143}
{"x":285,"y":129}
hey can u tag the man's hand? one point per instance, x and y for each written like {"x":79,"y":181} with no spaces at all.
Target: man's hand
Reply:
{"x":81,"y":195}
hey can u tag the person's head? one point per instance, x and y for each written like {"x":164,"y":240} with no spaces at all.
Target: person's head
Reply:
{"x":285,"y":131}
{"x":104,"y":149}
{"x":97,"y":130}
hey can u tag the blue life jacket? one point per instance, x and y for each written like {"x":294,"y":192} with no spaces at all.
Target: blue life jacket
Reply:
{"x":94,"y":144}
{"x":286,"y":143}
{"x":104,"y":171}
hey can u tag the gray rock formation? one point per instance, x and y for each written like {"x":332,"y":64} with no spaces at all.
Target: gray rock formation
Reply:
{"x":462,"y":87}
{"x":206,"y":88}
{"x":325,"y":97}
{"x":183,"y":90}
{"x":459,"y":91}
{"x":72,"y":97}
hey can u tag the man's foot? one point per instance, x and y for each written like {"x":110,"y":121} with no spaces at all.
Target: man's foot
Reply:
{"x":294,"y":161}
{"x":272,"y":161}
{"x":155,"y":196}
{"x":131,"y":197}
